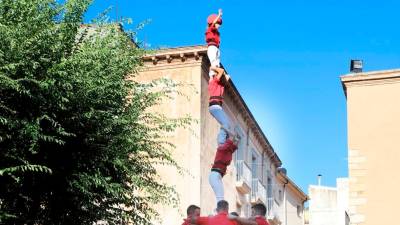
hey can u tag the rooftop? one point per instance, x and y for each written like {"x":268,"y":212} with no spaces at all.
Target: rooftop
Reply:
{"x":372,"y":77}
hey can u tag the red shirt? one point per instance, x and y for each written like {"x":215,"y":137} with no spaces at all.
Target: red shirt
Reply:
{"x":185,"y":222}
{"x":215,"y":90}
{"x":212,"y":36}
{"x":201,"y":220}
{"x":223,"y":157}
{"x":260,"y":220}
{"x":221,"y":219}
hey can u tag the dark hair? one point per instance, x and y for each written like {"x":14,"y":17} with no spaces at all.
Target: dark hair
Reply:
{"x":259,"y":209}
{"x":190,"y":210}
{"x":234,"y":213}
{"x":222,"y":205}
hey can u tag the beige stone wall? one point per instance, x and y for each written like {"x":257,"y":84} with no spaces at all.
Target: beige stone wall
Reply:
{"x":374,"y":147}
{"x":188,"y":148}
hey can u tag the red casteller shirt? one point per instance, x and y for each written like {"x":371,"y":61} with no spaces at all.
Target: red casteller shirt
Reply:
{"x":215,"y":88}
{"x":260,"y":220}
{"x":223,"y":157}
{"x":201,"y":220}
{"x":212,"y":36}
{"x":221,"y":219}
{"x":186,"y":222}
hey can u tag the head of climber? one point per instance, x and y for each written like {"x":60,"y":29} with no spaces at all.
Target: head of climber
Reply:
{"x":211,"y":18}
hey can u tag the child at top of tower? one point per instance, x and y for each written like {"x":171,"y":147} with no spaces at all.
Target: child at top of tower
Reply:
{"x":213,"y":41}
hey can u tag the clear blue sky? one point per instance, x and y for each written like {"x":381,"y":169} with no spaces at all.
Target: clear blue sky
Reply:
{"x":285,"y":57}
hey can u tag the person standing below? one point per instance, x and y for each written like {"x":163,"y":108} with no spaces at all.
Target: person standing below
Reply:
{"x":218,"y":78}
{"x":194,"y":211}
{"x":220,"y":219}
{"x":258,"y":212}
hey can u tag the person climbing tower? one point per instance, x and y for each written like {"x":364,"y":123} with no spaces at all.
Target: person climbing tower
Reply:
{"x":218,"y":78}
{"x":223,"y":158}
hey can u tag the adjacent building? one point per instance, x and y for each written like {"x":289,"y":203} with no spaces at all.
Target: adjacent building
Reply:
{"x":329,"y":205}
{"x":255,"y":174}
{"x":373,"y":109}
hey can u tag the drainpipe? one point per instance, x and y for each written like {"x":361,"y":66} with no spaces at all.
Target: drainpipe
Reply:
{"x":284,"y":201}
{"x":302,"y":209}
{"x":247,"y":145}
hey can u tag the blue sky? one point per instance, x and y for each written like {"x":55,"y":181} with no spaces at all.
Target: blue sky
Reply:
{"x":285,"y":57}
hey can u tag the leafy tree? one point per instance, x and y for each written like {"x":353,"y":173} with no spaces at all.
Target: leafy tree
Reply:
{"x":74,"y":149}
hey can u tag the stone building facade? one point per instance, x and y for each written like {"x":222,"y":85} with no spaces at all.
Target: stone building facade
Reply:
{"x":253,"y":175}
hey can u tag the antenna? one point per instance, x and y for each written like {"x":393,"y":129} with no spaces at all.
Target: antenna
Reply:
{"x":116,"y":10}
{"x":145,"y":41}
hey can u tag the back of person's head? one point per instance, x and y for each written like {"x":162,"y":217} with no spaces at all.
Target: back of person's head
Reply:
{"x":222,"y":206}
{"x":259,"y":209}
{"x":191,"y":209}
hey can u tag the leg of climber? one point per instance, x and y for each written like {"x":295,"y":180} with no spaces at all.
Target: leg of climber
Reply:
{"x":223,"y":158}
{"x":213,"y":54}
{"x":216,"y":91}
{"x":219,"y":114}
{"x":215,"y":180}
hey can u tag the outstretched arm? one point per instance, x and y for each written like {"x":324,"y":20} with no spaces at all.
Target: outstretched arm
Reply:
{"x":242,"y":221}
{"x":217,"y":18}
{"x":199,"y":220}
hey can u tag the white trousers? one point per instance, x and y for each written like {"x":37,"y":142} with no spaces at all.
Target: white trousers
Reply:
{"x":219,"y":114}
{"x":213,"y":54}
{"x":215,"y":180}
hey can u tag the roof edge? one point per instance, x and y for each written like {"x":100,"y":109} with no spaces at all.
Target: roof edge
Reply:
{"x":283,"y":176}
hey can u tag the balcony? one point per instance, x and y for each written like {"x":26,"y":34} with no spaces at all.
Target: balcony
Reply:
{"x":243,"y":177}
{"x":258,"y":192}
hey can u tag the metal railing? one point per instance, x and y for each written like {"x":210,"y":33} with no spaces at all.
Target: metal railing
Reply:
{"x":258,"y":190}
{"x":270,"y":206}
{"x":243,"y":172}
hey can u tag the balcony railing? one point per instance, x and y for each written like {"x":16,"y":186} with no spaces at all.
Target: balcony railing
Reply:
{"x":270,"y":207}
{"x":258,"y":192}
{"x":243,"y":177}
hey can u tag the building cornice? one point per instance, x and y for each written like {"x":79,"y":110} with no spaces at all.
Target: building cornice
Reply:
{"x":283,"y":178}
{"x":370,"y":78}
{"x":175,"y":57}
{"x":197,"y":55}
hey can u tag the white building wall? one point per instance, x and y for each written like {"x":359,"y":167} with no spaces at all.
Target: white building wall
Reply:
{"x":328,"y":205}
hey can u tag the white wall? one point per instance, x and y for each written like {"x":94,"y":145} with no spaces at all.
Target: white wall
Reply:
{"x":328,"y":205}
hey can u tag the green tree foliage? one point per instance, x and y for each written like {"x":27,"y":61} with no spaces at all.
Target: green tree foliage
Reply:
{"x":73,"y":148}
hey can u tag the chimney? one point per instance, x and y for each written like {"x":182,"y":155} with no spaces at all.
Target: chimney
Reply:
{"x":356,"y":66}
{"x":319,"y":179}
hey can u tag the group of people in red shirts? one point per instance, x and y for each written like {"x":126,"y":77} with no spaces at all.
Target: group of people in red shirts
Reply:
{"x":227,"y":140}
{"x":223,"y":217}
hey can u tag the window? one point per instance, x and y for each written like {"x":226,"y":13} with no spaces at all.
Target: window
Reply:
{"x":264,"y":170}
{"x":269,"y":188}
{"x":255,"y":164}
{"x":280,"y":195}
{"x":240,"y":152}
